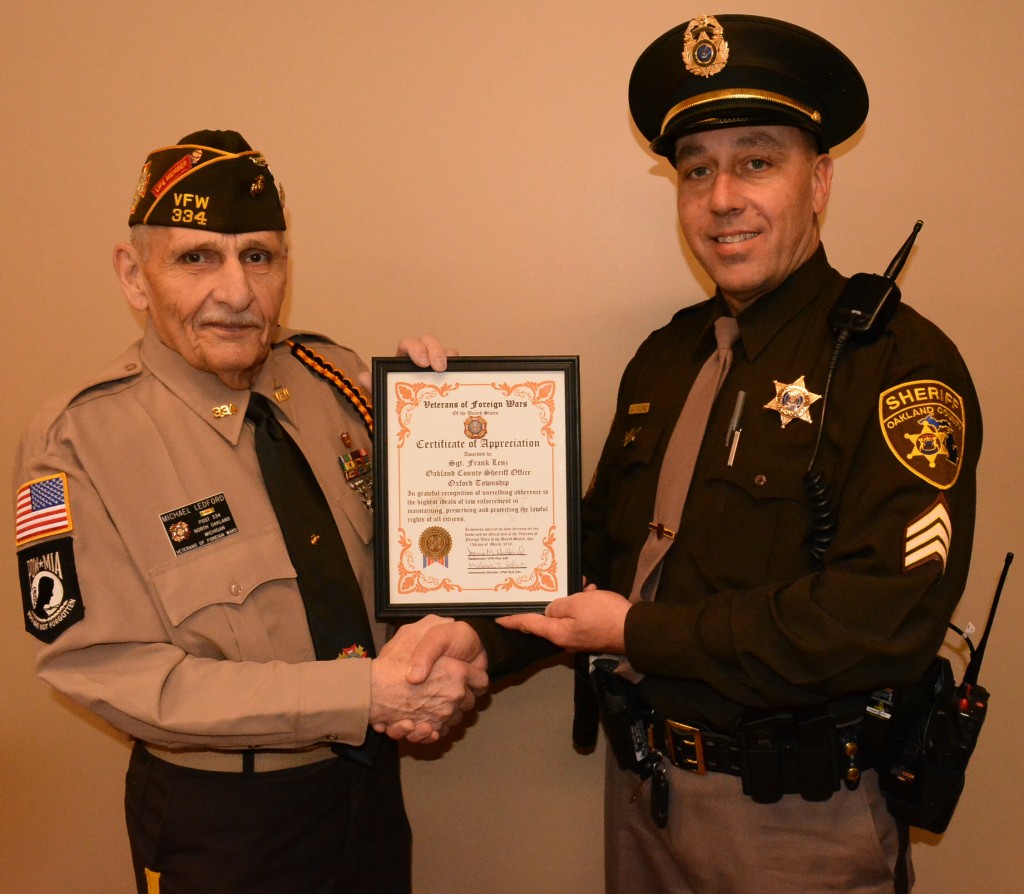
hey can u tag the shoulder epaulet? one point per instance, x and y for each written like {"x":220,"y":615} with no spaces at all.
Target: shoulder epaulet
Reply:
{"x":113,"y":377}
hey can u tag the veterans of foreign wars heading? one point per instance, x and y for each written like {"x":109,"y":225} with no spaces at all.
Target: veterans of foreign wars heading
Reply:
{"x":194,"y":545}
{"x":741,"y":611}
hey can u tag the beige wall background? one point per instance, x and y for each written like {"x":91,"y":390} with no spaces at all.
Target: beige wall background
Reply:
{"x":470,"y":168}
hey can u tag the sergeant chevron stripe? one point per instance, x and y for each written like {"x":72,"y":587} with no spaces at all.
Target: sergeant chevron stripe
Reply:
{"x":928,"y":536}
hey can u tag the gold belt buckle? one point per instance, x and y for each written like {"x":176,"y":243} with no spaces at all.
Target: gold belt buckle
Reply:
{"x":691,"y":737}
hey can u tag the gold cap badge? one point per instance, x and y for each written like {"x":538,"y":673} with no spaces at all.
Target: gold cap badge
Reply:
{"x":705,"y":51}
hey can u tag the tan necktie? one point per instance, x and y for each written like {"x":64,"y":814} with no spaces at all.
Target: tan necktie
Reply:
{"x":680,"y":459}
{"x":677,"y":471}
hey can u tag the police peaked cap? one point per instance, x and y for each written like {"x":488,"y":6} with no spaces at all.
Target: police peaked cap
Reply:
{"x":738,"y":70}
{"x":210,"y":180}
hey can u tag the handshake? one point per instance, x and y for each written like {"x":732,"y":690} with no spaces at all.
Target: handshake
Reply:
{"x":426,"y":678}
{"x":432,"y":671}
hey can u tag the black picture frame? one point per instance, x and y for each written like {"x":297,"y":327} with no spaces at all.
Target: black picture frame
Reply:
{"x":476,"y":475}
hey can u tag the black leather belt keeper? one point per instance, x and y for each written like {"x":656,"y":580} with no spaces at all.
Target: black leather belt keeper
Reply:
{"x":781,"y":754}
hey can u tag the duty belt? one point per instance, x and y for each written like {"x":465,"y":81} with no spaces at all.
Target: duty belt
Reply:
{"x":803,"y":751}
{"x":789,"y":753}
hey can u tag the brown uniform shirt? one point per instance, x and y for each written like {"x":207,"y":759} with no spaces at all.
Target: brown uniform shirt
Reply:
{"x":208,"y":646}
{"x":745,"y":617}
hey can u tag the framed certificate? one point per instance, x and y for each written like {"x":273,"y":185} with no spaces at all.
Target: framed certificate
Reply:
{"x":476,"y":476}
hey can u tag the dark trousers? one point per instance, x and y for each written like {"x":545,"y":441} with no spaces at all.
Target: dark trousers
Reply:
{"x":326,"y":828}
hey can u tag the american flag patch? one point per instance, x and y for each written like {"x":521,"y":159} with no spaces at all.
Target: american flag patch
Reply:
{"x":42,"y":509}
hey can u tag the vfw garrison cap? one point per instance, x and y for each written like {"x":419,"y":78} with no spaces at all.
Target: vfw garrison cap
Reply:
{"x":210,"y":180}
{"x":738,"y":70}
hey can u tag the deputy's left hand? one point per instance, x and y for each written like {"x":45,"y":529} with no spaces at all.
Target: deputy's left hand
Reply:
{"x":592,"y":621}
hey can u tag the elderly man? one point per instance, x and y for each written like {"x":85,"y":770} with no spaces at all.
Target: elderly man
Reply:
{"x":194,"y":535}
{"x":759,"y":565}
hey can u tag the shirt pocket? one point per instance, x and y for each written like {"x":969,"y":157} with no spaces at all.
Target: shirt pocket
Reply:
{"x":225,"y":573}
{"x":633,"y":477}
{"x":762,"y":531}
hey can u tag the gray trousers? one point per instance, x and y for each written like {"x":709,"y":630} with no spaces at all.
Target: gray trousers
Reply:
{"x":719,"y":841}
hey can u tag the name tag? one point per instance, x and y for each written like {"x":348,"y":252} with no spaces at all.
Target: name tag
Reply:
{"x":206,"y":521}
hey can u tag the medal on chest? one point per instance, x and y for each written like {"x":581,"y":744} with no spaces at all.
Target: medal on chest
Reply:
{"x":357,"y":467}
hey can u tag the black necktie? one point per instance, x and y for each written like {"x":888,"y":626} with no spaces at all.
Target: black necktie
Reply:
{"x":337,"y":618}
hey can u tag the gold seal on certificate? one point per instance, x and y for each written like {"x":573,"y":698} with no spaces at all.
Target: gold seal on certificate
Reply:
{"x":435,"y":544}
{"x":477,"y":475}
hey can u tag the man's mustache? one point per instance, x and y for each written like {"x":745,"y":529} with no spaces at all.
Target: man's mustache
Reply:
{"x":240,"y":320}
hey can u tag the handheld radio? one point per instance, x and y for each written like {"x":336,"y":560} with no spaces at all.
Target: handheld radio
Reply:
{"x":925,"y":735}
{"x":868,"y":300}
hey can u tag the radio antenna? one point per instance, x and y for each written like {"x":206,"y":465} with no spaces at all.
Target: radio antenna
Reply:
{"x":896,"y":264}
{"x":974,"y":665}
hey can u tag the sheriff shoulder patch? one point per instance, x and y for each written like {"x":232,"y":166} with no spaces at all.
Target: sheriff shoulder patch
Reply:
{"x":924,"y":425}
{"x":50,"y":595}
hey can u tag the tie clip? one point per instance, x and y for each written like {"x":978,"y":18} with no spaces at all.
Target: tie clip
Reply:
{"x":661,"y":530}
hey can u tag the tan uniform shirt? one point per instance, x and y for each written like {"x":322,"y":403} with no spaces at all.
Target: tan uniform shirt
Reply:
{"x":209,"y":646}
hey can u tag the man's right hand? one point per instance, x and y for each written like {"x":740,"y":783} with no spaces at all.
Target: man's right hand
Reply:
{"x":426,"y":677}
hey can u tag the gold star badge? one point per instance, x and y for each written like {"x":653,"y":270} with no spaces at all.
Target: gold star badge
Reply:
{"x":792,"y":401}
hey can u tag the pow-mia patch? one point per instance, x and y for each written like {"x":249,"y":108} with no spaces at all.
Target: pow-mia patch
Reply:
{"x":923,"y":424}
{"x":50,"y":595}
{"x":928,"y":536}
{"x":206,"y":521}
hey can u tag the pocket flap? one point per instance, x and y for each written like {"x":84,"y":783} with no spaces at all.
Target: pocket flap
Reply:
{"x":223,"y":572}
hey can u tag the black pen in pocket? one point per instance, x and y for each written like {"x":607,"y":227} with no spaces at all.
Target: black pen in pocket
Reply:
{"x":732,"y":438}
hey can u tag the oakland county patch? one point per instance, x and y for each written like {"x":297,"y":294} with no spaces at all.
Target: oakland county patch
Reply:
{"x":49,"y":588}
{"x":923,"y":424}
{"x":191,"y":527}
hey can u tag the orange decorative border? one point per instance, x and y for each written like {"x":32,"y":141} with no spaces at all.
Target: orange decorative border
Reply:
{"x":544,"y":576}
{"x":409,"y":397}
{"x":541,"y":395}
